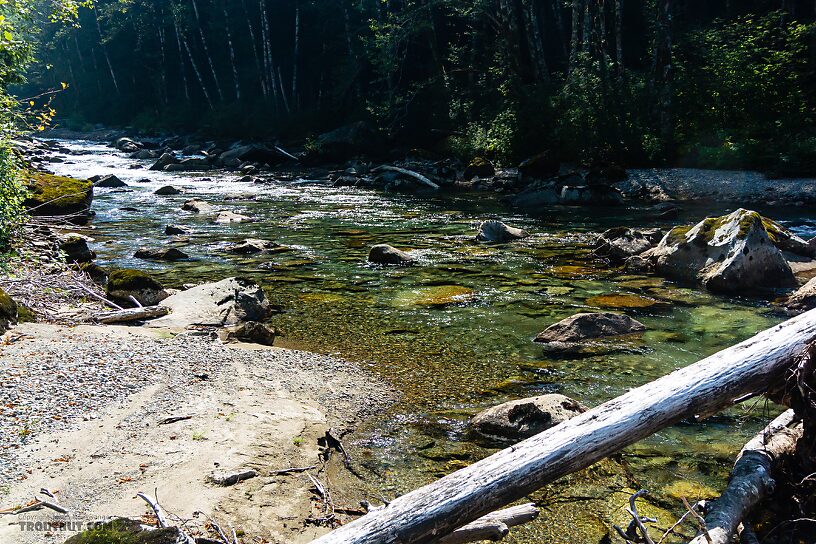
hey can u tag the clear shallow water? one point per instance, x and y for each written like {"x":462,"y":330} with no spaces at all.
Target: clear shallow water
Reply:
{"x":450,"y":360}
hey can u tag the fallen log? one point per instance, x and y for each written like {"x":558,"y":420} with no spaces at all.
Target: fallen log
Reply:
{"x":494,"y":526}
{"x":438,"y":509}
{"x":132,"y":314}
{"x":410,"y":173}
{"x":751,"y":479}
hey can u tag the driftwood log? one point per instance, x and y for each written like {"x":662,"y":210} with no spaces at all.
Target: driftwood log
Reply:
{"x":717,"y":382}
{"x":751,"y":479}
{"x":132,"y":314}
{"x":493,"y":526}
{"x":410,"y":173}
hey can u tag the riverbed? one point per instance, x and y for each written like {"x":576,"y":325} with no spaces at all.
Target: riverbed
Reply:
{"x":454,"y":332}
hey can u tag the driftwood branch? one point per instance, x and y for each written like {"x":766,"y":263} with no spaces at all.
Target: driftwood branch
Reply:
{"x":132,"y":314}
{"x":494,"y":526}
{"x":410,"y":173}
{"x":751,"y":479}
{"x":440,"y":508}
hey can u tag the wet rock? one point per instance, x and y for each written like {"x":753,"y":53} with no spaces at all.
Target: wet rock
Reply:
{"x":171,"y":230}
{"x":592,"y":195}
{"x":110,"y":182}
{"x":385,"y":254}
{"x":803,"y":299}
{"x":165,"y":160}
{"x":76,"y":249}
{"x":523,"y":418}
{"x":252,"y":245}
{"x":732,"y":254}
{"x":232,"y":217}
{"x":618,"y":244}
{"x":224,"y":303}
{"x":97,"y":274}
{"x":143,"y":154}
{"x":126,"y":282}
{"x":496,"y":231}
{"x":253,"y":153}
{"x":541,"y":166}
{"x":571,"y":334}
{"x":57,"y":195}
{"x":479,"y":168}
{"x":127,"y":145}
{"x":167,"y":190}
{"x":251,"y":332}
{"x":189,"y":165}
{"x":788,"y":241}
{"x":627,"y":301}
{"x":160,"y":254}
{"x":231,"y":478}
{"x":539,"y":193}
{"x":8,"y":312}
{"x":197,"y":206}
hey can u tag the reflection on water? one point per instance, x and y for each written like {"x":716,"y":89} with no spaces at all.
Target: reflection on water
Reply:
{"x":452,"y":333}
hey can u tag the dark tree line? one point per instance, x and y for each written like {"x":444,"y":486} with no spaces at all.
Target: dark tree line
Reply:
{"x":719,"y":82}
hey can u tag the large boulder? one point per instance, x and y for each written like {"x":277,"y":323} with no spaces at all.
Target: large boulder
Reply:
{"x":253,"y":153}
{"x":197,"y":206}
{"x":167,"y":190}
{"x":160,"y":254}
{"x":76,"y":249}
{"x":165,"y":160}
{"x":127,"y":145}
{"x":802,"y":299}
{"x":576,"y":334}
{"x":541,"y":166}
{"x":620,"y":243}
{"x":57,"y":195}
{"x":110,"y":182}
{"x":592,"y":195}
{"x":479,"y":168}
{"x":523,"y":418}
{"x":126,"y":282}
{"x":251,"y":332}
{"x":385,"y":254}
{"x":730,"y":254}
{"x":189,"y":165}
{"x":227,"y":302}
{"x":8,"y":311}
{"x":538,"y":193}
{"x":346,"y":141}
{"x":498,"y":232}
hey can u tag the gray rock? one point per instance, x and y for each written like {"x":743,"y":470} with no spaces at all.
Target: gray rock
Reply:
{"x":167,"y":190}
{"x":539,"y":193}
{"x":165,"y":160}
{"x":110,"y":182}
{"x":76,"y":249}
{"x":232,"y":217}
{"x":230,"y":478}
{"x":252,"y":245}
{"x":574,"y":335}
{"x":224,"y":303}
{"x":591,"y":195}
{"x":127,"y":145}
{"x":618,"y":244}
{"x":251,"y":332}
{"x":171,"y":230}
{"x":197,"y":206}
{"x":160,"y":254}
{"x":143,"y":154}
{"x":496,"y":231}
{"x":523,"y":418}
{"x":803,"y":299}
{"x":385,"y":254}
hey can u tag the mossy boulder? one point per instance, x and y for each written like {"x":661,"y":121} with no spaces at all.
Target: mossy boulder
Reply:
{"x":57,"y":195}
{"x":126,"y":531}
{"x":734,"y":253}
{"x":479,"y":167}
{"x":126,"y":282}
{"x":8,"y":311}
{"x":76,"y":249}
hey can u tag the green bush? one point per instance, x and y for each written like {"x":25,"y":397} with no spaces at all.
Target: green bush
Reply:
{"x":12,"y":195}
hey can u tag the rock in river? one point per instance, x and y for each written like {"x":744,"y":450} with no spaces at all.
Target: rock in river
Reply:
{"x":618,"y":244}
{"x":167,"y":190}
{"x":803,"y":299}
{"x":160,"y":254}
{"x":171,"y":230}
{"x":110,"y":182}
{"x":385,"y":254}
{"x":496,"y":231}
{"x":124,"y":283}
{"x":732,"y":254}
{"x":571,"y":334}
{"x":523,"y":418}
{"x":224,"y":303}
{"x":76,"y":249}
{"x":197,"y":206}
{"x":232,"y":217}
{"x":252,"y":245}
{"x":165,"y":160}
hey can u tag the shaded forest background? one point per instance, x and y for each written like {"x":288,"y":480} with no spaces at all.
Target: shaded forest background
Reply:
{"x":717,"y":83}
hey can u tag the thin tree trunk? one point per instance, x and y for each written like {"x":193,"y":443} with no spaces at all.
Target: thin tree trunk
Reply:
{"x":105,"y":51}
{"x":186,"y":85}
{"x":535,"y":40}
{"x":295,"y":57}
{"x":232,"y":53}
{"x":283,"y":91}
{"x":206,"y":50}
{"x":162,"y":47}
{"x":619,"y":37}
{"x":269,"y":67}
{"x":261,"y":78}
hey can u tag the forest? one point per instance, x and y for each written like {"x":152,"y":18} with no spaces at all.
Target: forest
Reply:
{"x":718,"y":84}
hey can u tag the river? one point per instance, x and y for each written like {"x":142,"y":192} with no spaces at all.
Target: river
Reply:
{"x":448,"y":361}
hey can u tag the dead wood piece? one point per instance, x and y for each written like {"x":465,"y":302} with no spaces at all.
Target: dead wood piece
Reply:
{"x":230,"y":478}
{"x":291,"y":470}
{"x":459,"y":498}
{"x":494,"y":526}
{"x":751,"y":479}
{"x":410,"y":173}
{"x":133,"y":314}
{"x":173,"y":419}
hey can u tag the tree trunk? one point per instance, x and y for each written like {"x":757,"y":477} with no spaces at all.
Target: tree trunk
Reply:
{"x":706,"y":387}
{"x":231,"y":47}
{"x":206,"y":51}
{"x":619,"y":37}
{"x":295,"y":57}
{"x":105,"y":51}
{"x":252,"y":42}
{"x":751,"y":480}
{"x":185,"y":84}
{"x":196,"y":71}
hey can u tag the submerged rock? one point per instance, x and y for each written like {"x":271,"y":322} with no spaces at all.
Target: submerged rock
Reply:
{"x":227,"y":302}
{"x":732,"y":253}
{"x":167,"y":190}
{"x":160,"y":254}
{"x":496,"y":231}
{"x":252,"y":245}
{"x":618,"y":244}
{"x":126,"y":282}
{"x":251,"y":332}
{"x":385,"y":254}
{"x":523,"y":418}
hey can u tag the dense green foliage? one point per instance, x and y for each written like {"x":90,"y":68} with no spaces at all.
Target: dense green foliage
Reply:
{"x":699,"y":82}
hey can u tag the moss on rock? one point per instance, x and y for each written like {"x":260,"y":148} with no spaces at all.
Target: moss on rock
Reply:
{"x":8,"y":311}
{"x":127,"y":282}
{"x":57,"y":195}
